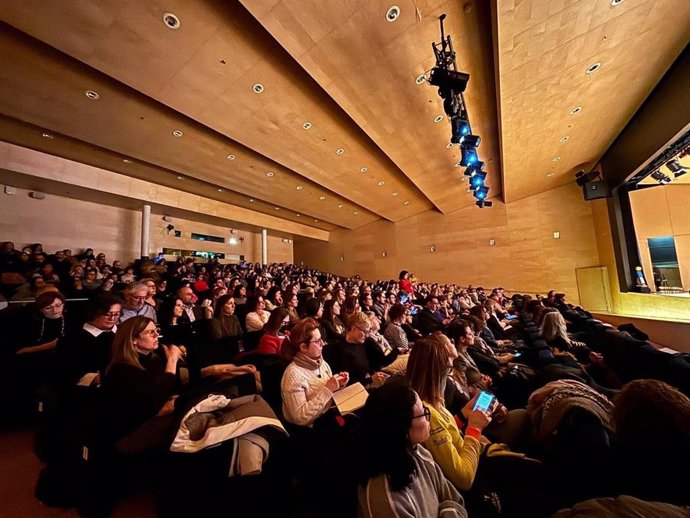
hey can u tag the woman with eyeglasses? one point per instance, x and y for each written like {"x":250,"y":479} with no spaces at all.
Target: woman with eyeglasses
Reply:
{"x":88,"y":350}
{"x":308,"y":383}
{"x":349,"y":354}
{"x":140,"y":381}
{"x":458,"y":454}
{"x":398,"y":475}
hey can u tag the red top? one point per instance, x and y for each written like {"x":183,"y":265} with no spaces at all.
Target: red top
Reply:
{"x":406,"y":286}
{"x":270,"y":344}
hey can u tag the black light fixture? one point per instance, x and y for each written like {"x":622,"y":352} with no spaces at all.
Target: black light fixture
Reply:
{"x":676,"y":168}
{"x":448,"y":80}
{"x":661,"y":177}
{"x":170,"y":228}
{"x":582,"y":178}
{"x":474,"y":169}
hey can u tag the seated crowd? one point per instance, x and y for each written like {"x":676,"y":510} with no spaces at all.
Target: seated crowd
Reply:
{"x":148,"y":341}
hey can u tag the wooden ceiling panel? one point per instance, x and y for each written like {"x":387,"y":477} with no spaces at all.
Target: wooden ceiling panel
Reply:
{"x":51,"y":95}
{"x":544,"y":49}
{"x":369,"y":66}
{"x":206,"y":69}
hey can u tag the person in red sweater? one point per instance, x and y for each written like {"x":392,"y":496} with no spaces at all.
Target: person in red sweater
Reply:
{"x":272,"y":340}
{"x":404,"y":282}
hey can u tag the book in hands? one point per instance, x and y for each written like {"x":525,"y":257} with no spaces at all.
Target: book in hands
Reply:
{"x":351,"y":398}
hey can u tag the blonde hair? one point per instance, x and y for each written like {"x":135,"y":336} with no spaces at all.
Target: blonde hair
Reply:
{"x":123,"y":350}
{"x":426,"y":368}
{"x":358,"y":319}
{"x":553,"y":326}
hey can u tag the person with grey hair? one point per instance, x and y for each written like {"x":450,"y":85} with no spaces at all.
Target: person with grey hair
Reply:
{"x":135,"y":303}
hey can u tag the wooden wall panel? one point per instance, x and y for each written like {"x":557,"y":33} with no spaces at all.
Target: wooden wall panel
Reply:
{"x":650,"y":212}
{"x":525,"y":257}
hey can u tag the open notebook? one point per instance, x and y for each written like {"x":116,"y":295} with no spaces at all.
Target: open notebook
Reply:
{"x":350,"y":398}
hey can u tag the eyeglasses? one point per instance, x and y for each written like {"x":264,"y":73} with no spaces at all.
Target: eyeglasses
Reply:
{"x":318,"y":341}
{"x":365,"y":331}
{"x":141,"y":299}
{"x":111,"y":315}
{"x":55,"y":307}
{"x":426,"y":414}
{"x":151,"y":332}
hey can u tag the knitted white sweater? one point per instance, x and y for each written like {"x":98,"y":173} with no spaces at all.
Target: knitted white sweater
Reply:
{"x":305,"y":396}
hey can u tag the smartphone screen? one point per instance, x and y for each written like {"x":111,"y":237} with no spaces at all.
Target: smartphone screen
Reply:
{"x":484,"y":401}
{"x":517,"y":355}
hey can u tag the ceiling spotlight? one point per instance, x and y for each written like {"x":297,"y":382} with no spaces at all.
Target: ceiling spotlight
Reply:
{"x":251,"y":200}
{"x":381,"y":183}
{"x":565,"y":138}
{"x":339,"y":151}
{"x":468,"y":156}
{"x":126,"y":161}
{"x":438,"y":118}
{"x":177,"y":133}
{"x":257,"y":88}
{"x":676,"y":167}
{"x":355,"y":212}
{"x":269,"y":174}
{"x":661,"y":177}
{"x":474,"y":168}
{"x":406,"y":203}
{"x":277,"y":208}
{"x":340,"y":206}
{"x":549,"y":174}
{"x":555,"y":159}
{"x":460,"y":129}
{"x":297,"y":215}
{"x":593,"y":68}
{"x":220,"y":190}
{"x":299,"y":187}
{"x":171,"y":21}
{"x":306,"y":125}
{"x":48,"y":136}
{"x":477,"y":180}
{"x":180,"y":177}
{"x":575,"y":110}
{"x":322,"y":198}
{"x":230,"y":157}
{"x":395,"y":194}
{"x":421,"y":79}
{"x":614,"y":3}
{"x":393,"y":13}
{"x":93,"y":95}
{"x":316,"y":221}
{"x":363,"y":170}
{"x":481,"y":193}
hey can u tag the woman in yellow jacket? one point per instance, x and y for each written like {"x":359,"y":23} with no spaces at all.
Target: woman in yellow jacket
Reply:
{"x":457,"y":455}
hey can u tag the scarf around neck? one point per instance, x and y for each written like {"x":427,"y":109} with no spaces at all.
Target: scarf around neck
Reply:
{"x":302,"y":360}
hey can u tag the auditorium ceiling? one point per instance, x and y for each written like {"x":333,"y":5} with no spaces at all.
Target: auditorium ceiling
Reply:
{"x":310,"y":110}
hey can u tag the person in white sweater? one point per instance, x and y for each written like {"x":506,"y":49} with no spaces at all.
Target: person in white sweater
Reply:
{"x":308,"y":383}
{"x":399,"y":478}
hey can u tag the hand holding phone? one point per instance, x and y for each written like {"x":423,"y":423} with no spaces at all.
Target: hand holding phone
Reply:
{"x":484,"y":401}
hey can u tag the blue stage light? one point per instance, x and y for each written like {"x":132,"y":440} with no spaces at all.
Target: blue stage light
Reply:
{"x":469,"y":157}
{"x":481,"y":193}
{"x":477,"y":180}
{"x":474,"y":168}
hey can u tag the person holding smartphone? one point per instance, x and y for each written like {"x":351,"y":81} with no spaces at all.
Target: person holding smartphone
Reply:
{"x":456,"y":453}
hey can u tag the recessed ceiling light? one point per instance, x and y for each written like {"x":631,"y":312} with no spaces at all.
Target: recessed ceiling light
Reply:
{"x":381,"y":183}
{"x":48,"y":136}
{"x":340,"y":206}
{"x":230,"y":157}
{"x":126,"y":161}
{"x":616,"y":2}
{"x":393,"y":13}
{"x":565,"y":138}
{"x":171,"y":21}
{"x":277,"y":208}
{"x":549,"y":174}
{"x":406,"y":203}
{"x":269,"y":174}
{"x":177,"y":133}
{"x":438,"y":118}
{"x":322,"y":198}
{"x":592,"y":68}
{"x":299,"y":187}
{"x":395,"y":194}
{"x":421,"y":79}
{"x":355,"y":212}
{"x":251,"y":200}
{"x":316,"y":221}
{"x":575,"y":110}
{"x":449,"y":145}
{"x":220,"y":190}
{"x":93,"y":95}
{"x":363,"y":170}
{"x":297,"y":215}
{"x":258,"y":88}
{"x":339,"y":151}
{"x":555,"y":159}
{"x":307,"y":125}
{"x":180,"y":177}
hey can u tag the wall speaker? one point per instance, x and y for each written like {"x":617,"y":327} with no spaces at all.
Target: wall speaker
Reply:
{"x":596,"y":190}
